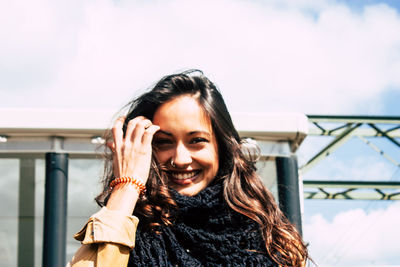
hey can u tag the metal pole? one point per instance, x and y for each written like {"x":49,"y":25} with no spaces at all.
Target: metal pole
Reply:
{"x":288,"y":189}
{"x":55,"y":210}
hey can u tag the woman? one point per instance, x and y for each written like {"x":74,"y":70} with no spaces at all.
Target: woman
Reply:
{"x":177,"y":164}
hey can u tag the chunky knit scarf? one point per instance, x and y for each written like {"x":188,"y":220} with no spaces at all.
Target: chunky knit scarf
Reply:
{"x":206,"y":233}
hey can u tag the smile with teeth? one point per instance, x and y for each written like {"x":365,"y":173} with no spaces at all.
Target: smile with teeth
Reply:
{"x":184,"y":175}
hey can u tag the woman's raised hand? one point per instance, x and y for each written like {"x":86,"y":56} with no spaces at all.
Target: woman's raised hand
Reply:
{"x":132,"y":157}
{"x":133,"y":152}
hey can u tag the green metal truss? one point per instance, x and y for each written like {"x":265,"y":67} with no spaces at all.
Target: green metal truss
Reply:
{"x":342,"y":128}
{"x":362,"y":190}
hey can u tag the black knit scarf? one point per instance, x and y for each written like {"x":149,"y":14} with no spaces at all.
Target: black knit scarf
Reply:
{"x":206,"y":233}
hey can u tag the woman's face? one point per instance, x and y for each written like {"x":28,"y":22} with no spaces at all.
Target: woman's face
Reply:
{"x":187,"y":139}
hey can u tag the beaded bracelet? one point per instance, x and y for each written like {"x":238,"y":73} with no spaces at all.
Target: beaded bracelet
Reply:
{"x":126,"y":179}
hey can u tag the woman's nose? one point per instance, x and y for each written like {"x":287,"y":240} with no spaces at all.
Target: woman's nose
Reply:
{"x":182,"y":156}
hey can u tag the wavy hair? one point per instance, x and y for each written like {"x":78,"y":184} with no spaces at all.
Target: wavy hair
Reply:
{"x":242,"y":187}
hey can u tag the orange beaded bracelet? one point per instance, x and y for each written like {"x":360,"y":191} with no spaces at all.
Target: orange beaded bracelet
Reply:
{"x":126,"y":179}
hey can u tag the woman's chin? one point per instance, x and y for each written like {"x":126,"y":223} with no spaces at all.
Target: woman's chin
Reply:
{"x":189,"y":189}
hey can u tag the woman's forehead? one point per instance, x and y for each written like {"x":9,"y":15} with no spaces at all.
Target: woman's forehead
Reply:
{"x":183,"y":111}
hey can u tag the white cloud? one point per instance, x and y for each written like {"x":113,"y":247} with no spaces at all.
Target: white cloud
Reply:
{"x":265,"y":56}
{"x":355,"y":237}
{"x":37,"y":38}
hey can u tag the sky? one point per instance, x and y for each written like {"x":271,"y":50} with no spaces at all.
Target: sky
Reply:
{"x":308,"y":56}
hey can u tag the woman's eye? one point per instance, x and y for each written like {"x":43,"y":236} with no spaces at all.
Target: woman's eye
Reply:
{"x":162,"y":142}
{"x":199,"y":140}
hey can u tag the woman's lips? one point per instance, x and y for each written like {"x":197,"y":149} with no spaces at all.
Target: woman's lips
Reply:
{"x":183,"y":178}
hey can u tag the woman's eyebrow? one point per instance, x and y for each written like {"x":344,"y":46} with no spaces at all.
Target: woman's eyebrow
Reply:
{"x":190,"y":133}
{"x":163,"y":132}
{"x":201,"y":132}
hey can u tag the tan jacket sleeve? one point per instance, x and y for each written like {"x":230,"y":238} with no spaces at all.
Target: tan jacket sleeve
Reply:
{"x":106,"y":240}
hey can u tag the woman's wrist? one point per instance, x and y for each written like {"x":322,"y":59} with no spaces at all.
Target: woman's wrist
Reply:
{"x":123,"y":198}
{"x":141,"y":187}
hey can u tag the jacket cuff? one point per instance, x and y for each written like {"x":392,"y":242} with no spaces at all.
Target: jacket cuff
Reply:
{"x":109,"y":226}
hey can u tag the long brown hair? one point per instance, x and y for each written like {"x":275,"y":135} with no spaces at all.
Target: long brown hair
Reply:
{"x":243,"y":190}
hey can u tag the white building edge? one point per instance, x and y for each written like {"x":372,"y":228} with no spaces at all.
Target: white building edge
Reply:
{"x":17,"y":125}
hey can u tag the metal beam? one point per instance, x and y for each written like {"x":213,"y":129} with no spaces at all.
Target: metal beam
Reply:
{"x":352,"y":184}
{"x":41,"y":155}
{"x":338,"y":141}
{"x":384,"y":134}
{"x":380,"y":151}
{"x":352,"y":190}
{"x":355,"y":119}
{"x":347,"y":195}
{"x":358,"y":132}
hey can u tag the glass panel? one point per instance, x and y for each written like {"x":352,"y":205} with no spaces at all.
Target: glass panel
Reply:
{"x":267,"y":171}
{"x":9,"y":169}
{"x":83,"y":186}
{"x":266,"y":166}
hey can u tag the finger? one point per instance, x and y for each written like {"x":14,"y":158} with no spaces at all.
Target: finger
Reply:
{"x":118,"y":142}
{"x":117,"y":131}
{"x":111,"y":146}
{"x":149,"y":133}
{"x":117,"y":166}
{"x":131,"y":126}
{"x":139,"y":131}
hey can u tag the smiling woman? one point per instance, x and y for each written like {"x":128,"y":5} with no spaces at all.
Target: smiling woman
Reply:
{"x":176,"y":165}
